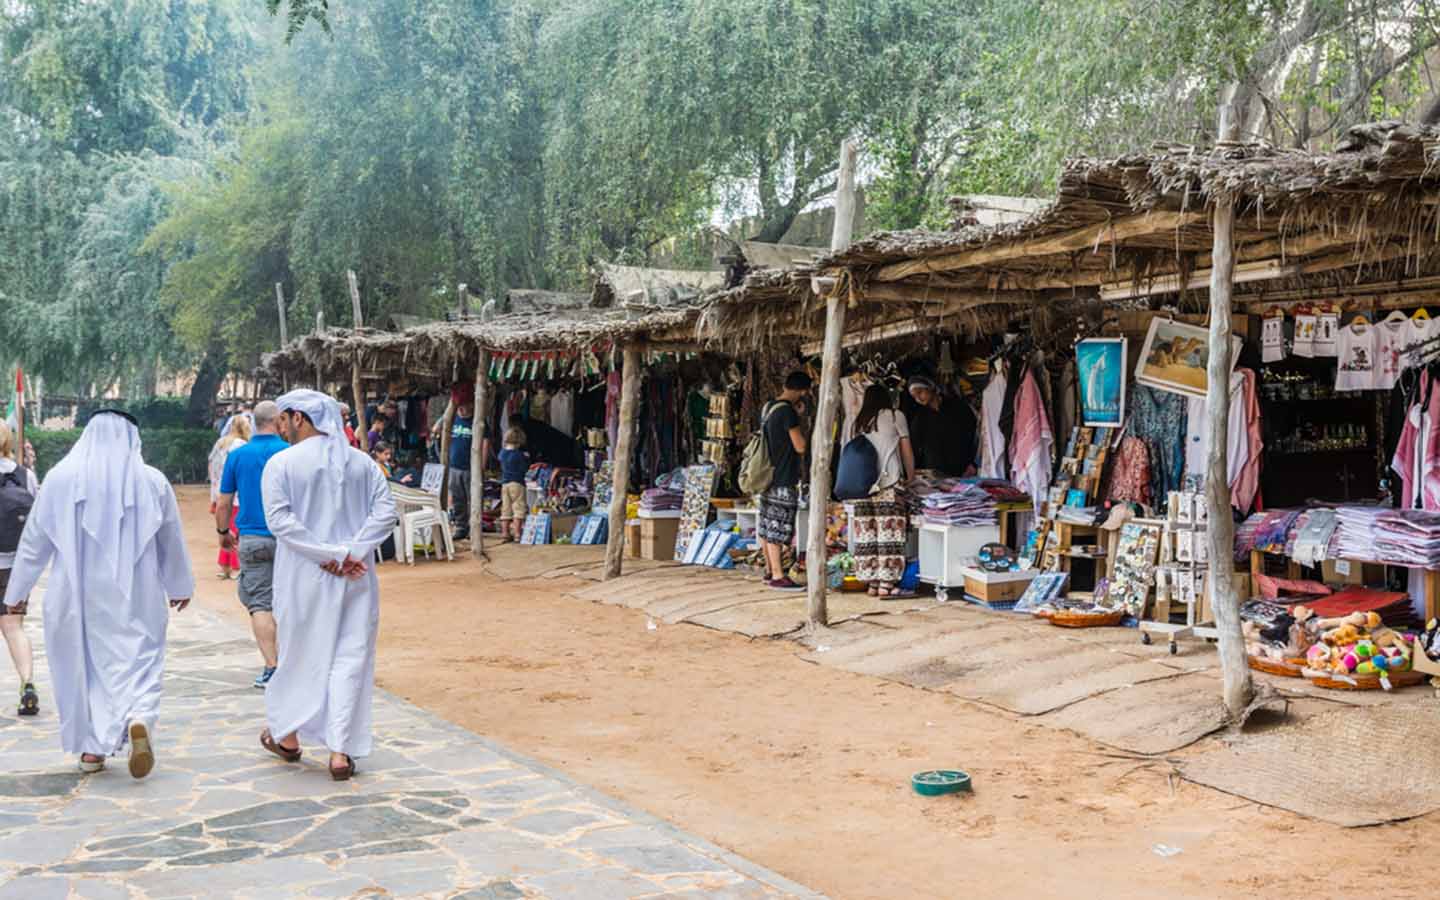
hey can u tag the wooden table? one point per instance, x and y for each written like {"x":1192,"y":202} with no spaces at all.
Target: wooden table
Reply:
{"x":1432,"y":577}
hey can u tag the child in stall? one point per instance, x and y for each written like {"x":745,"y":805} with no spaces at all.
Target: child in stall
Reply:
{"x":514,"y":463}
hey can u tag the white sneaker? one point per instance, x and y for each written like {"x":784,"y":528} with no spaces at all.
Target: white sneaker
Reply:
{"x":142,"y":755}
{"x":90,"y":768}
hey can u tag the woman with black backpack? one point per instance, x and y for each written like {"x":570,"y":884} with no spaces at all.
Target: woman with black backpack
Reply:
{"x":878,"y":523}
{"x":17,"y":494}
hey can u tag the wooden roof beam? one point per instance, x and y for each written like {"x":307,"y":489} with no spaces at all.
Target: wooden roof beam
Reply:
{"x":908,"y":293}
{"x":1089,"y":237}
{"x":1261,"y":270}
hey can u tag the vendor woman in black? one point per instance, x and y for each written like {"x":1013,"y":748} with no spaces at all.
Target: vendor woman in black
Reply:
{"x":943,"y":430}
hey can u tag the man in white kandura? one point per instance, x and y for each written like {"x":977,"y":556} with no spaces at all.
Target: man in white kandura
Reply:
{"x":329,"y":507}
{"x":111,"y":526}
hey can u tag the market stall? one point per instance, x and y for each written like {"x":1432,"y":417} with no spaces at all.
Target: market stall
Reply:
{"x":1322,"y":403}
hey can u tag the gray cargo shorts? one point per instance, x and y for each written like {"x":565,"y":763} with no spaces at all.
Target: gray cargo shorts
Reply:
{"x":257,"y":572}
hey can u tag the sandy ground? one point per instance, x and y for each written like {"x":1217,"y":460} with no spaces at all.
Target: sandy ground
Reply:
{"x":805,"y":769}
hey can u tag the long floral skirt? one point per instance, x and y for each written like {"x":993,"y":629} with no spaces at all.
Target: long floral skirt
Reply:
{"x":878,"y":526}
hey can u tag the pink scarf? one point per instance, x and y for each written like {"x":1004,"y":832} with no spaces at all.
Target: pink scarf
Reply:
{"x":1031,"y":443}
{"x":1426,"y":446}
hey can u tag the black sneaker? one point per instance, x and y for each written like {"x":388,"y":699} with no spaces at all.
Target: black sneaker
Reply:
{"x":29,"y":700}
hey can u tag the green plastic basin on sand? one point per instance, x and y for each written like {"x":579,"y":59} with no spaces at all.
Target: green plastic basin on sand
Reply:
{"x":940,"y":781}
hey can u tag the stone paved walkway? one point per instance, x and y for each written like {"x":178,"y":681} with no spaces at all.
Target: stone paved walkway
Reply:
{"x":437,"y":811}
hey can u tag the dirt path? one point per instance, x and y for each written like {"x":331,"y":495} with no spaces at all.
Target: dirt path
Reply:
{"x":805,"y":769}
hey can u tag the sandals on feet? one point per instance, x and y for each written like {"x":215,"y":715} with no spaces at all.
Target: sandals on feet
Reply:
{"x":29,"y":701}
{"x":91,"y":766}
{"x":285,"y":753}
{"x":142,"y":755}
{"x":343,"y":773}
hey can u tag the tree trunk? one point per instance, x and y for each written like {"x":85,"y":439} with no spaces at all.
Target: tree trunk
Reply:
{"x":208,"y":378}
{"x":620,"y":462}
{"x":1235,"y":670}
{"x":822,"y":442}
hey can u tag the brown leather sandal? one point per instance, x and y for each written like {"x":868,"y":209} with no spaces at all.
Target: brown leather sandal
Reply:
{"x":343,"y":774}
{"x":269,"y":743}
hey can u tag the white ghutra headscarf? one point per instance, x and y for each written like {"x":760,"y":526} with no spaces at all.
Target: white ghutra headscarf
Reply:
{"x":324,"y":414}
{"x":103,"y":480}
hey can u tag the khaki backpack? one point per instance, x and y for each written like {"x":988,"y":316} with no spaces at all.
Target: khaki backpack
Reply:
{"x":757,"y":472}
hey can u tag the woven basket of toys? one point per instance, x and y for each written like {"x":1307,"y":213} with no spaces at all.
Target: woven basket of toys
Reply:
{"x":1285,"y":668}
{"x":1356,"y":682}
{"x":1068,"y":618}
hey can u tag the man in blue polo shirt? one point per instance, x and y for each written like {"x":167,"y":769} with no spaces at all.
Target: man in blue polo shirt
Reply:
{"x":243,"y":468}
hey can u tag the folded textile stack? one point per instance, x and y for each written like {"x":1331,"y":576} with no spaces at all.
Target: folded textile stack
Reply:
{"x":1408,"y":537}
{"x":661,"y":500}
{"x":964,"y":502}
{"x":1357,"y":531}
{"x":1268,"y":531}
{"x":1311,"y":540}
{"x":1393,"y":607}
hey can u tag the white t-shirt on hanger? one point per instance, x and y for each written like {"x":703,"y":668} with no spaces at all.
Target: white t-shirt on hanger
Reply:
{"x":1393,"y":335}
{"x":1304,"y":344}
{"x":1355,"y":368}
{"x":1326,"y":327}
{"x":1272,"y":339}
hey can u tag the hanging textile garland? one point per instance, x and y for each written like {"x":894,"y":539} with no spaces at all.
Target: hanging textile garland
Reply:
{"x":551,"y":370}
{"x":510,"y":368}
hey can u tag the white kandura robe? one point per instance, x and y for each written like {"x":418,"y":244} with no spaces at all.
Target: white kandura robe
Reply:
{"x":326,"y":624}
{"x":104,"y":638}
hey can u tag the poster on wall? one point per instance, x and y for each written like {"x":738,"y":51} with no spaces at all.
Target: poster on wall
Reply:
{"x":1100,"y":370}
{"x":1175,"y":355}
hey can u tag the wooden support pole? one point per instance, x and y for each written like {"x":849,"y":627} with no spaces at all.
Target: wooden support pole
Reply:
{"x":319,"y":329}
{"x":1235,"y":670}
{"x":822,"y":440}
{"x":447,"y":422}
{"x":477,"y":454}
{"x":357,"y":385}
{"x":463,"y":297}
{"x":280,"y":310}
{"x":355,"y":298}
{"x":620,"y":462}
{"x":284,"y":330}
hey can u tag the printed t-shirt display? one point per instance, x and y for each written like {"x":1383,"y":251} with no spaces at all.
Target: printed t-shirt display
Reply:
{"x":1304,"y":344}
{"x":1358,"y":346}
{"x":1393,"y":335}
{"x":1272,"y":339}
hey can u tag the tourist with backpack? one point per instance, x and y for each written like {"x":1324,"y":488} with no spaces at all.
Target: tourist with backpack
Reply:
{"x":17,"y":495}
{"x":784,"y":445}
{"x":878,"y":521}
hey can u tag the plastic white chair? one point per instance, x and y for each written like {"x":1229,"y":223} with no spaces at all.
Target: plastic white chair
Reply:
{"x":420,"y":511}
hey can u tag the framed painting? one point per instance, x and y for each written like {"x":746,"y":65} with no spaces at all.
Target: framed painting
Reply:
{"x":1100,"y":370}
{"x":1175,"y":355}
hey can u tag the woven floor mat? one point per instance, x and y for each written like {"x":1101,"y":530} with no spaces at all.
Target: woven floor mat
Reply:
{"x":1348,"y":766}
{"x":1054,"y":674}
{"x":1152,"y":717}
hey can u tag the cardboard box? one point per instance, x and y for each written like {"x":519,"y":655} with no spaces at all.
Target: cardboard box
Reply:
{"x":1344,"y":571}
{"x":561,"y":525}
{"x":997,"y":587}
{"x":632,"y":539}
{"x":657,"y":538}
